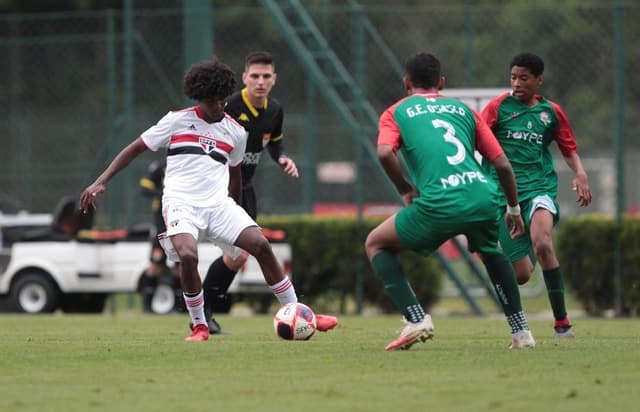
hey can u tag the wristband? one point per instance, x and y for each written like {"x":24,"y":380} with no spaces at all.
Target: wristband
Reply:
{"x":513,"y":210}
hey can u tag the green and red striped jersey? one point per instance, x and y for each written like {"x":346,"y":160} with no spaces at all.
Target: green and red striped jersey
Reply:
{"x":437,"y":137}
{"x":525,"y":134}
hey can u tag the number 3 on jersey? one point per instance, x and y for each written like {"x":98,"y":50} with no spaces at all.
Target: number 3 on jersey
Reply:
{"x":450,"y":136}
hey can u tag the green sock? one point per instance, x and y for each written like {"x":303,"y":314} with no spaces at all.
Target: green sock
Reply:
{"x":555,"y":289}
{"x":504,"y":283}
{"x":388,"y":268}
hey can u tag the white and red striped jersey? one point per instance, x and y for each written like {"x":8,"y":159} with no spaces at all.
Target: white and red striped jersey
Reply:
{"x":198,"y":154}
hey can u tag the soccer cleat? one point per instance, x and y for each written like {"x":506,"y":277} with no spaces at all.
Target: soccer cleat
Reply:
{"x":413,"y":333}
{"x":522,"y":339}
{"x":214,"y":327}
{"x":200,"y":333}
{"x":325,"y":322}
{"x":563,"y":329}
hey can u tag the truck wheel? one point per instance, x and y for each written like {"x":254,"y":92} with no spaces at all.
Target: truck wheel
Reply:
{"x":164,"y":298}
{"x":35,"y":293}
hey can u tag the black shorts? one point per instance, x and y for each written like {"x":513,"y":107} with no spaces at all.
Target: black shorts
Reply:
{"x":249,"y":201}
{"x":157,"y":252}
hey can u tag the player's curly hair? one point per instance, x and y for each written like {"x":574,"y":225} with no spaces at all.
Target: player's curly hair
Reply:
{"x":210,"y":79}
{"x":533,"y":62}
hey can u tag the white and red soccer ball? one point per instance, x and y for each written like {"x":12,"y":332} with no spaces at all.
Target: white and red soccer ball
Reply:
{"x":295,"y":321}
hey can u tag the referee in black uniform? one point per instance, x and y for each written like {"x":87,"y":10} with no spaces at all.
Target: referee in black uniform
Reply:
{"x":262,"y":117}
{"x":151,"y":185}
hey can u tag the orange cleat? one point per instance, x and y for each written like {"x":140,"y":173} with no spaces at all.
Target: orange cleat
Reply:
{"x":413,"y":333}
{"x":325,"y":322}
{"x":200,"y":333}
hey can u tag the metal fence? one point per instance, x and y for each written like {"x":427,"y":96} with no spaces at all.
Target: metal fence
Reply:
{"x":77,"y":86}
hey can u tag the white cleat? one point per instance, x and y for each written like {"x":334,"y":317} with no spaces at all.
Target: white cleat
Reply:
{"x":522,"y":339}
{"x":412,"y":333}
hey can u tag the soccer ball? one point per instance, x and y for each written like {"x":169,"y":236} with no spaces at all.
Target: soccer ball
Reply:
{"x":295,"y":321}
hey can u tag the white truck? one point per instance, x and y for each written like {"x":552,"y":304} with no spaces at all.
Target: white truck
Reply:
{"x":49,"y":262}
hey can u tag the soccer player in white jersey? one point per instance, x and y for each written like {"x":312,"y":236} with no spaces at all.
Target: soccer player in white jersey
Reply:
{"x":204,"y":155}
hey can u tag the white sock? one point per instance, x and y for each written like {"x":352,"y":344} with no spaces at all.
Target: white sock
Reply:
{"x":195,"y":306}
{"x":284,"y":291}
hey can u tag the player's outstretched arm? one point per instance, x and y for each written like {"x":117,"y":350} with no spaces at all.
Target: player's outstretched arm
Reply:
{"x":580,"y":182}
{"x":99,"y":186}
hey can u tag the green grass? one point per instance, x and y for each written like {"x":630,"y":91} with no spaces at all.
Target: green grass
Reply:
{"x":131,"y":362}
{"x":534,"y":306}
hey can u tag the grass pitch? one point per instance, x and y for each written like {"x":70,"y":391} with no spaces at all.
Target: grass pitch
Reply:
{"x":131,"y":362}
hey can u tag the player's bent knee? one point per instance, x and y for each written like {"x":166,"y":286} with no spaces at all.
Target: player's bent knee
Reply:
{"x":260,"y":249}
{"x":189,"y":259}
{"x":237,"y":263}
{"x":543,"y":248}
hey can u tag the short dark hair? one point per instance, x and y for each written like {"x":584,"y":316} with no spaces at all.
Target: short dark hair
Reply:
{"x":210,"y":79}
{"x":531,"y":61}
{"x":259,"y":57}
{"x":423,"y":70}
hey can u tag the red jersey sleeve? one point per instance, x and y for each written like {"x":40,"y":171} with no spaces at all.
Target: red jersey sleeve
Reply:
{"x":565,"y":138}
{"x":486,"y":141}
{"x":388,"y":130}
{"x":490,"y":111}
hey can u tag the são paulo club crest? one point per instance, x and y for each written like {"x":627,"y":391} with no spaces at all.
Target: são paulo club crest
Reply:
{"x":207,"y":144}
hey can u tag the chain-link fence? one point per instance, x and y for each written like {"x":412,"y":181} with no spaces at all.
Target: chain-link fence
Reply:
{"x":76,"y":86}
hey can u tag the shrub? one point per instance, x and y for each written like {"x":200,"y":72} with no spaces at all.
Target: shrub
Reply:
{"x":586,"y":248}
{"x":328,"y":254}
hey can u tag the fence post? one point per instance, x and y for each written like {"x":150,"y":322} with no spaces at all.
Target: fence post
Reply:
{"x":618,"y":127}
{"x":197,"y":26}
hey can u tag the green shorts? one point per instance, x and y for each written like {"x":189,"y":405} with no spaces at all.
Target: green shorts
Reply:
{"x":516,"y":249}
{"x":424,"y":234}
